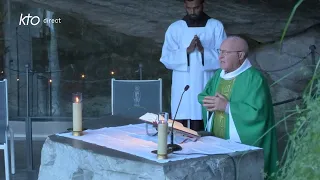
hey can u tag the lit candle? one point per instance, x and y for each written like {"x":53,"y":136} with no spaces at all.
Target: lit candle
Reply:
{"x":162,"y":137}
{"x":77,"y":112}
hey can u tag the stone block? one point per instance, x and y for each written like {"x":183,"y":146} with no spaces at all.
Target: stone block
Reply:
{"x":69,"y":159}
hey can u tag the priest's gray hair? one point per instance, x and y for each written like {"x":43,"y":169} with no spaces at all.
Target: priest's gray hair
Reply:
{"x":243,"y":42}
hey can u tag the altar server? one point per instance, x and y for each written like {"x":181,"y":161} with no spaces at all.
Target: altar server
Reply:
{"x":190,"y":51}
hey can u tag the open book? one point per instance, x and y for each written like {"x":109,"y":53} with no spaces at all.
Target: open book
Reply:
{"x":152,"y":119}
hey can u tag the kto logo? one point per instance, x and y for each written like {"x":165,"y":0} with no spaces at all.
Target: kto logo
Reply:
{"x":35,"y":20}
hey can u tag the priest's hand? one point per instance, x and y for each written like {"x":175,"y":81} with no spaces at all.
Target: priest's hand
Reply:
{"x":198,"y":44}
{"x":215,"y":103}
{"x":192,"y":45}
{"x":220,"y":102}
{"x":208,"y":102}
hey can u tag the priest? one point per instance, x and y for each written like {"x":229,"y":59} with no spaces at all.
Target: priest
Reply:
{"x":189,"y":50}
{"x":237,"y":104}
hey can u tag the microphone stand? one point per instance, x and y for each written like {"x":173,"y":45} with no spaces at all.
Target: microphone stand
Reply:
{"x":175,"y":147}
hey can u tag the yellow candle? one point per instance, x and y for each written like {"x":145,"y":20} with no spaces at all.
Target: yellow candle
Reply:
{"x":77,"y":115}
{"x":162,"y":138}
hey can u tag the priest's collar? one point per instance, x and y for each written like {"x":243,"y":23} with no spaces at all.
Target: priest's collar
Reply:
{"x":227,"y":76}
{"x":199,"y":22}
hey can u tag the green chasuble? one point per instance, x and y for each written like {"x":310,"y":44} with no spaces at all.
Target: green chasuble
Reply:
{"x":251,"y":109}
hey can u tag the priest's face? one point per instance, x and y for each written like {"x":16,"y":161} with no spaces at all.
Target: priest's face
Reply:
{"x":229,"y":56}
{"x":194,"y":8}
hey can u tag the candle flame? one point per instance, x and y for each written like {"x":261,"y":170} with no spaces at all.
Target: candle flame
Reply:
{"x":77,"y":99}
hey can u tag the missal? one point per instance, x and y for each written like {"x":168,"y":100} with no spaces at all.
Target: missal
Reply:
{"x":152,"y":118}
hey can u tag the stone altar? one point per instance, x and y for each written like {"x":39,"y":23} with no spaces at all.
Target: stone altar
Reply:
{"x":64,"y":158}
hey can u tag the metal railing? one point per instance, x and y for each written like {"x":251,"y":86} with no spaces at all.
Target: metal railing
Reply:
{"x":28,"y":120}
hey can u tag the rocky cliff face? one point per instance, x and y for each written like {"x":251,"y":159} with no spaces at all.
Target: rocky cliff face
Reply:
{"x":106,"y":34}
{"x":149,"y":19}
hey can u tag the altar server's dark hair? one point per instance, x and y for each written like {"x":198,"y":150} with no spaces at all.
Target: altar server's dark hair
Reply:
{"x":194,"y":0}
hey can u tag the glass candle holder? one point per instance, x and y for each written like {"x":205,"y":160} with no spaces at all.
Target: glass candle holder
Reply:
{"x":162,"y":151}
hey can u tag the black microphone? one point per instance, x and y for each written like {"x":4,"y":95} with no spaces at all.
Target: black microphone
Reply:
{"x":176,"y":147}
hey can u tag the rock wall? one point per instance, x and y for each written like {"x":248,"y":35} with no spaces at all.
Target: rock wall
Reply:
{"x":97,"y":37}
{"x":149,"y":19}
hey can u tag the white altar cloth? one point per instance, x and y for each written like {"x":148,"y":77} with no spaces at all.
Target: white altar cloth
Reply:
{"x":133,"y":139}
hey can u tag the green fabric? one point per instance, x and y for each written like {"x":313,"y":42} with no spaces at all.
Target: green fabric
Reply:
{"x":221,"y":119}
{"x":252,"y":112}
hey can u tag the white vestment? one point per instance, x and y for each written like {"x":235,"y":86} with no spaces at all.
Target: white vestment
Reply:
{"x":174,"y":56}
{"x":233,"y":133}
